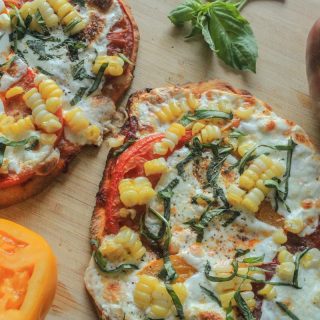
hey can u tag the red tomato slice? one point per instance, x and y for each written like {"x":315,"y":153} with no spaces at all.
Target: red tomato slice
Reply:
{"x":130,"y":164}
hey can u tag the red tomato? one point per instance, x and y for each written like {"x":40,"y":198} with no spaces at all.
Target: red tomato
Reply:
{"x":129,"y":164}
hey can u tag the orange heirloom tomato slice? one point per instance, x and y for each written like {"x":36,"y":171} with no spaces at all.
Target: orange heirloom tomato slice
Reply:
{"x":28,"y":273}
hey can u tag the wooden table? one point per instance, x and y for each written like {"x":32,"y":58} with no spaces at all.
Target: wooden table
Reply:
{"x":62,"y":212}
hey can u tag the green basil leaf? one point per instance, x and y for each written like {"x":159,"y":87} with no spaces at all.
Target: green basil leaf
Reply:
{"x":44,"y":71}
{"x":176,"y":301}
{"x":207,"y":36}
{"x":102,"y":263}
{"x":229,"y":312}
{"x":204,"y":114}
{"x":71,"y":25}
{"x":78,"y":96}
{"x":184,"y":12}
{"x":286,"y":310}
{"x":167,"y":192}
{"x":242,"y":305}
{"x":241,"y":252}
{"x":295,"y":280}
{"x":124,"y":147}
{"x":79,"y":72}
{"x":98,"y":79}
{"x":211,"y":295}
{"x":232,"y":36}
{"x":253,"y":259}
{"x":237,"y":134}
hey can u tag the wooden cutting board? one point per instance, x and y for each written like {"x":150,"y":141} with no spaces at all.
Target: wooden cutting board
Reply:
{"x":62,"y":212}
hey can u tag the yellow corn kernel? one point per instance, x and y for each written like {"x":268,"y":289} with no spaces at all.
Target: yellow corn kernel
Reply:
{"x":311,"y":259}
{"x":156,"y":166}
{"x":279,"y":236}
{"x":209,"y":134}
{"x":116,"y":142}
{"x":129,"y":198}
{"x":47,"y":139}
{"x":285,"y":271}
{"x":244,"y":147}
{"x":92,"y":133}
{"x":244,"y":113}
{"x":160,"y":148}
{"x":192,"y":101}
{"x":14,"y":92}
{"x":269,"y":291}
{"x":5,"y":22}
{"x":125,"y":213}
{"x":253,"y":200}
{"x":115,"y":70}
{"x":177,"y":129}
{"x":294,"y":225}
{"x":76,"y":120}
{"x":285,"y":256}
{"x":224,"y":106}
{"x":235,"y":195}
{"x":197,"y":127}
{"x":260,"y":185}
{"x":53,"y":104}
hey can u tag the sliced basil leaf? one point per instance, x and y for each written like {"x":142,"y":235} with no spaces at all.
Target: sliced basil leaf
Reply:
{"x":195,"y":199}
{"x":237,"y":134}
{"x":295,"y":279}
{"x":229,"y":312}
{"x":241,"y":252}
{"x":98,"y":79}
{"x":204,"y":114}
{"x":79,"y":72}
{"x":71,"y":25}
{"x":253,"y":259}
{"x":176,"y":301}
{"x":291,"y":147}
{"x":102,"y":263}
{"x":233,"y":215}
{"x":167,"y":192}
{"x":274,"y":283}
{"x":211,"y":295}
{"x":286,"y":310}
{"x":78,"y":96}
{"x":44,"y":71}
{"x":196,"y":151}
{"x":243,"y":307}
{"x":8,"y":63}
{"x":81,"y":3}
{"x":219,"y":279}
{"x":124,"y":147}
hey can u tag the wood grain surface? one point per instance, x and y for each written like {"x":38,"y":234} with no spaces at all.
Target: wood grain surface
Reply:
{"x":62,"y":212}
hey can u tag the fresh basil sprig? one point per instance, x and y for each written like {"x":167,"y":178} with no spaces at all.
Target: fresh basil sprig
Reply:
{"x":295,"y":279}
{"x":219,"y":279}
{"x":102,"y":263}
{"x":241,"y":252}
{"x":286,"y":310}
{"x":223,"y":28}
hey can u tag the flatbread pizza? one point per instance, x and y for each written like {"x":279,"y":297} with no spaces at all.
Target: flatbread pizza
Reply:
{"x":64,"y":65}
{"x":208,"y":209}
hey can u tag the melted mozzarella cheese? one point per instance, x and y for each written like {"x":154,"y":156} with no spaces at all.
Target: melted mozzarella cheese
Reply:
{"x":301,"y":301}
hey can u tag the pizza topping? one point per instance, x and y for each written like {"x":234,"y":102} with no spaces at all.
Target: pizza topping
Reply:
{"x":159,"y":299}
{"x":136,"y":191}
{"x":156,"y":166}
{"x":279,"y":237}
{"x":174,"y":133}
{"x":124,"y":247}
{"x":114,"y":68}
